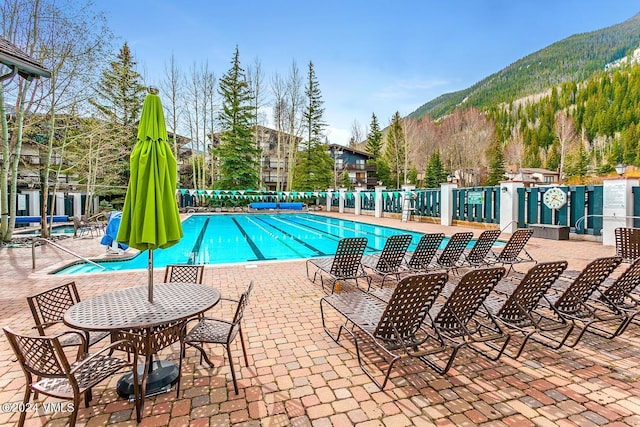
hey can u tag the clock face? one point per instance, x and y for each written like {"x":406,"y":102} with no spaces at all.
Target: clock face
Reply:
{"x":554,"y":198}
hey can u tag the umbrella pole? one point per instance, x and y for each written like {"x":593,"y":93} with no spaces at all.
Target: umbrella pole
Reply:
{"x":150,"y":271}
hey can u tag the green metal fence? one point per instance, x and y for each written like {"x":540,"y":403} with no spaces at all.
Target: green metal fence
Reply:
{"x":427,"y":202}
{"x":477,"y":204}
{"x":582,"y":213}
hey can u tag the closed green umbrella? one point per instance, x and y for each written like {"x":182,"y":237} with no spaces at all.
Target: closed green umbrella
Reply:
{"x":150,"y":217}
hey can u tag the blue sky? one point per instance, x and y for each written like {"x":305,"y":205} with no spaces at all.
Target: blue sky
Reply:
{"x":369,"y":56}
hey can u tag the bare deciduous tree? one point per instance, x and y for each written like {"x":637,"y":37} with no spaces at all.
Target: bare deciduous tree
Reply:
{"x":567,"y":138}
{"x":172,"y":87}
{"x":280,"y":109}
{"x":295,"y":102}
{"x":70,"y":40}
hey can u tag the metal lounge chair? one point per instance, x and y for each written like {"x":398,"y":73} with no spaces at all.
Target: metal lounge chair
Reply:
{"x":513,"y":251}
{"x":451,"y":255}
{"x":422,"y":256}
{"x":345,"y":265}
{"x":217,"y":331}
{"x":44,"y":357}
{"x":573,"y":303}
{"x":389,"y":261}
{"x":519,"y":310}
{"x":455,"y":321}
{"x":477,"y":255}
{"x":394,"y":329}
{"x":619,"y":295}
{"x":628,"y":243}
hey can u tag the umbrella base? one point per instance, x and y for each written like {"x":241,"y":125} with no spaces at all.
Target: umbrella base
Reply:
{"x":163,"y":375}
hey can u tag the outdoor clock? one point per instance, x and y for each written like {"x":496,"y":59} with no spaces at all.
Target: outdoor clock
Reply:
{"x":554,"y":198}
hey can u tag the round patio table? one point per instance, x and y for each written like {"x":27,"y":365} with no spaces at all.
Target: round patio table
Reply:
{"x":127,"y":313}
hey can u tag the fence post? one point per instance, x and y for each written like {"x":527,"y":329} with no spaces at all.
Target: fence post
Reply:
{"x":59,"y":204}
{"x":341,"y":199}
{"x":378,"y":200}
{"x":357,"y":202}
{"x":77,"y":204}
{"x":34,"y":202}
{"x":446,"y":203}
{"x":509,"y":205}
{"x":617,"y":207}
{"x":329,"y":198}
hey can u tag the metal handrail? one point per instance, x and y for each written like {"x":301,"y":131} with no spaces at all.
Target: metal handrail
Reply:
{"x":62,"y":248}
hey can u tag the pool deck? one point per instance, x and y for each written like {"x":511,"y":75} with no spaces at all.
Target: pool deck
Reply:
{"x":297,"y":376}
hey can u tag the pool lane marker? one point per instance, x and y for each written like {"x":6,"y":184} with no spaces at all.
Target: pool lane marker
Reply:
{"x":193,"y":256}
{"x":317,"y":251}
{"x":252,"y":245}
{"x":276,"y":238}
{"x":336,"y":236}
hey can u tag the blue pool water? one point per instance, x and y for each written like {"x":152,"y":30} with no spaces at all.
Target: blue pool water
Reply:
{"x":56,"y":229}
{"x":223,"y":239}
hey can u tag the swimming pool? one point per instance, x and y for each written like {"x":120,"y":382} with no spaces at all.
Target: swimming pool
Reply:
{"x":228,"y":238}
{"x":56,"y":229}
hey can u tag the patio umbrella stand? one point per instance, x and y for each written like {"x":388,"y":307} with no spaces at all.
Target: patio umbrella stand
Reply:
{"x":150,"y":217}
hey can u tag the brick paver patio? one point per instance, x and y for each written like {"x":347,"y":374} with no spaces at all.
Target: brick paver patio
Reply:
{"x":297,"y":376}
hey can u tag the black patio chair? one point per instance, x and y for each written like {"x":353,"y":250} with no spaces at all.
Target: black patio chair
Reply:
{"x":518,"y":308}
{"x":575,"y":303}
{"x":395,"y":328}
{"x":184,"y":273}
{"x":420,"y":259}
{"x":48,"y":308}
{"x":628,"y":243}
{"x":44,"y":357}
{"x":223,"y":332}
{"x":478,"y":254}
{"x":388,"y":263}
{"x":345,"y":265}
{"x":455,"y":322}
{"x":514,"y":251}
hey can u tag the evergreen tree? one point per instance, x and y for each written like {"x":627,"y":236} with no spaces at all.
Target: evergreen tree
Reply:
{"x":312,"y":115}
{"x":314,"y":167}
{"x":345,"y":181}
{"x":435,"y":173}
{"x":394,"y":151}
{"x":314,"y":174}
{"x":237,"y":151}
{"x":120,"y":93}
{"x":120,"y":96}
{"x":374,"y":138}
{"x":413,"y":175}
{"x":496,"y":165}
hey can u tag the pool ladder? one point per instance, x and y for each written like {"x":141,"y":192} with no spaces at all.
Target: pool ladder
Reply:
{"x":57,"y":246}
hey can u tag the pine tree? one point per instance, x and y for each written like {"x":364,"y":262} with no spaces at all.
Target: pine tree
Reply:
{"x":314,"y":167}
{"x":120,"y":96}
{"x":313,"y":112}
{"x":496,"y":165}
{"x":120,"y":93}
{"x":374,"y":138}
{"x":238,"y":154}
{"x":435,"y":173}
{"x":394,"y":151}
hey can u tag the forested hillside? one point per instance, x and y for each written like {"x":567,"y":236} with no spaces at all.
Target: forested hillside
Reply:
{"x":573,"y":107}
{"x":572,"y":59}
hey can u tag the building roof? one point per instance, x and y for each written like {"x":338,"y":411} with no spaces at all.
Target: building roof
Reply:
{"x":350,"y":149}
{"x":514,"y":169}
{"x":14,"y":58}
